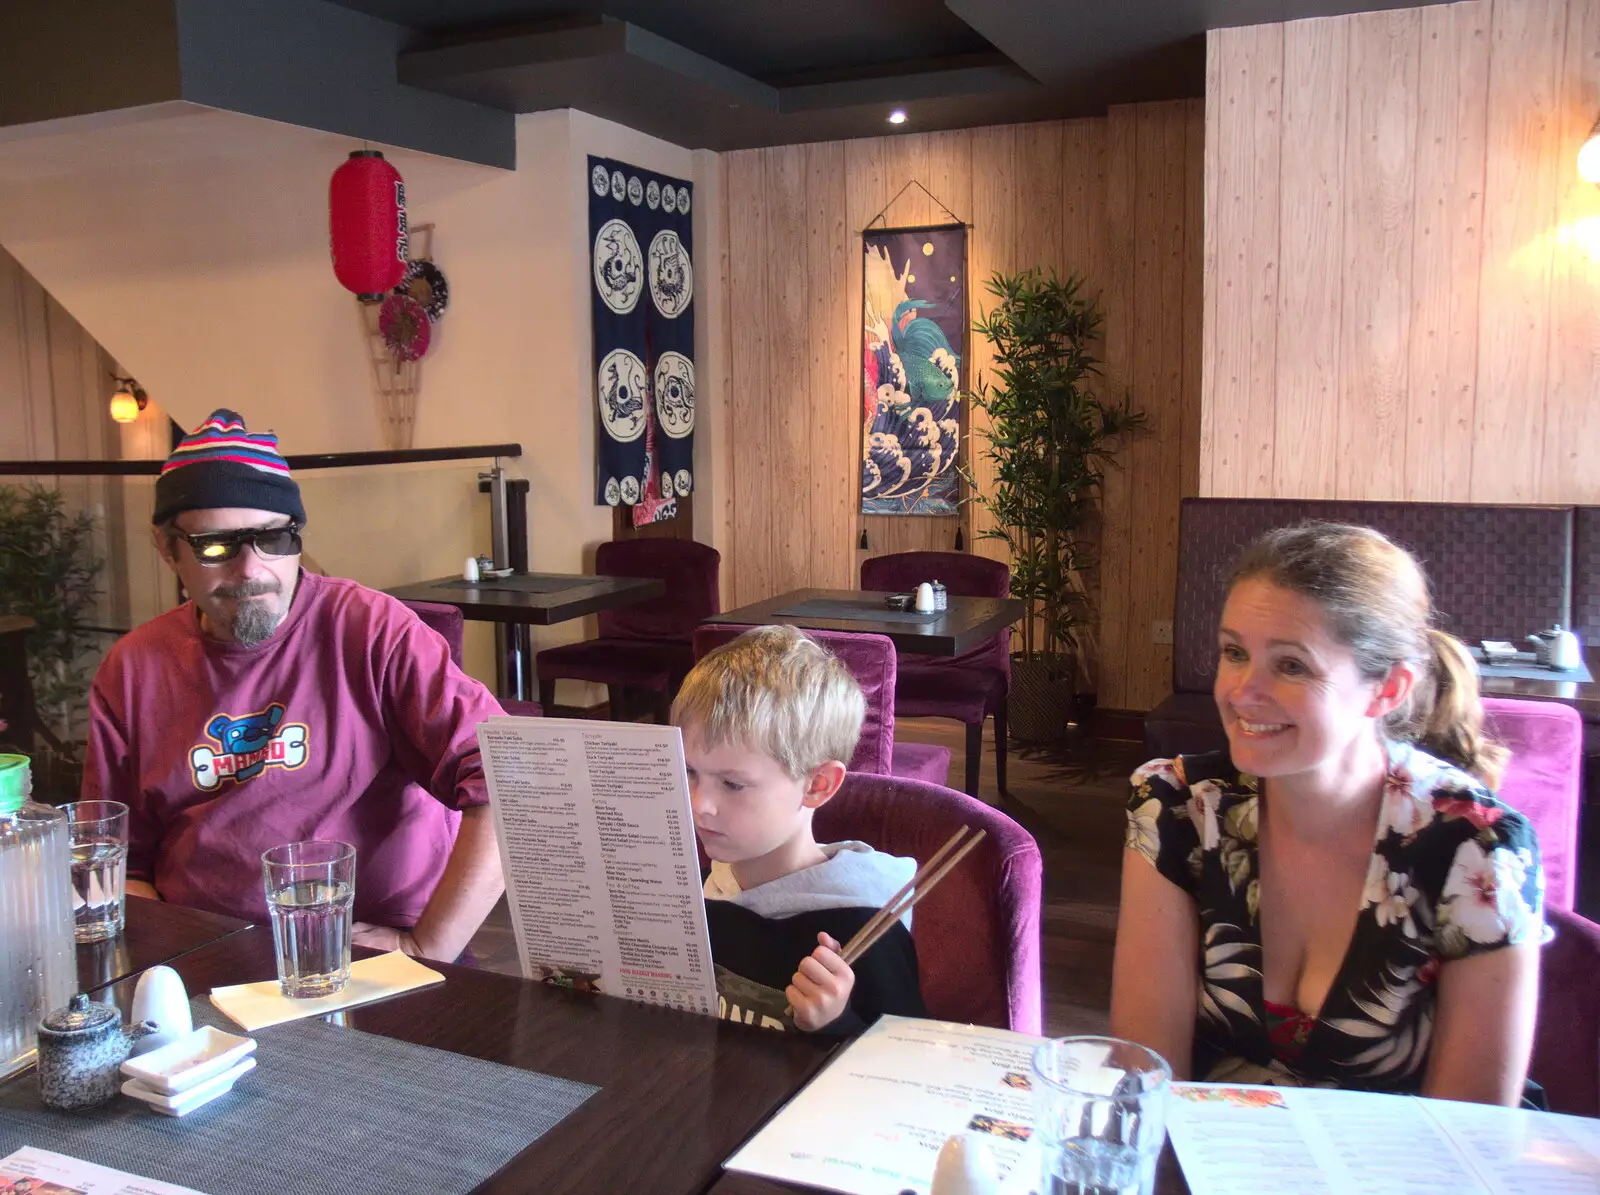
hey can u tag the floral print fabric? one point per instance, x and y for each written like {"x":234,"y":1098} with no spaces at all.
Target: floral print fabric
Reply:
{"x":1453,"y":873}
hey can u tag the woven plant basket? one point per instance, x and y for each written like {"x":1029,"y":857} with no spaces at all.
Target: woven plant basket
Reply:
{"x":1041,"y":705}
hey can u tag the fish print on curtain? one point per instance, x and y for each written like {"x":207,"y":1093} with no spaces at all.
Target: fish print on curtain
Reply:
{"x":914,"y":315}
{"x":643,"y":305}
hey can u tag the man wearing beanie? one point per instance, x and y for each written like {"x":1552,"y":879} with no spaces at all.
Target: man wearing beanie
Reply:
{"x":276,"y":706}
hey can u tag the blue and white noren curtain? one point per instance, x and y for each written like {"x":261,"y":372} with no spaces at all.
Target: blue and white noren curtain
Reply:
{"x":643,"y":302}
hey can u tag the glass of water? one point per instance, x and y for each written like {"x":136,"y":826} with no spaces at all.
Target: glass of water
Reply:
{"x":98,"y":832}
{"x":1100,"y":1115}
{"x":311,"y":887}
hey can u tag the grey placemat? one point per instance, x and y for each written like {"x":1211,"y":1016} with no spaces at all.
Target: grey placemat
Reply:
{"x":523,"y":584}
{"x":1524,"y":669}
{"x":327,"y":1111}
{"x":848,"y":611}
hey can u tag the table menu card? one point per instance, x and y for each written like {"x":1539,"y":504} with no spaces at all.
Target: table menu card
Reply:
{"x":598,"y":847}
{"x":873,"y":1122}
{"x":40,"y":1172}
{"x":1303,"y":1141}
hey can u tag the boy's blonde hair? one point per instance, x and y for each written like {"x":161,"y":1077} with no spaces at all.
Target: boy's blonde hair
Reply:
{"x":775,"y":690}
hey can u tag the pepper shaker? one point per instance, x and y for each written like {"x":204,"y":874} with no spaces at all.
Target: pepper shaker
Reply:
{"x":941,"y":596}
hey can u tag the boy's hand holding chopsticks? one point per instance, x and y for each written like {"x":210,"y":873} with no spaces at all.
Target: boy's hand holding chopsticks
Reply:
{"x":822,"y":985}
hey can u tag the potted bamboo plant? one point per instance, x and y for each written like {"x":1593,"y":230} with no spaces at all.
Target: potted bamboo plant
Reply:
{"x":1050,"y":439}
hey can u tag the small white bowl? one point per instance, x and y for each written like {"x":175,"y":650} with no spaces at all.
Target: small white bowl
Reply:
{"x":186,"y":1102}
{"x":188,"y":1062}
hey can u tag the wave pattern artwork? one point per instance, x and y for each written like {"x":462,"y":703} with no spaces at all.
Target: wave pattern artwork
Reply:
{"x":914,"y":308}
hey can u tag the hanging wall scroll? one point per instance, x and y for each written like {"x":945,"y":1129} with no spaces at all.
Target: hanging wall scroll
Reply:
{"x":641,"y":243}
{"x":914,"y":336}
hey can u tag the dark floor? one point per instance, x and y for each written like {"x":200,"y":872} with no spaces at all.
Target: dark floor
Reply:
{"x":1071,"y":801}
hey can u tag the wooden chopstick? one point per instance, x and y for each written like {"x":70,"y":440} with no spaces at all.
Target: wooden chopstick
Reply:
{"x":854,"y":949}
{"x":922,"y":873}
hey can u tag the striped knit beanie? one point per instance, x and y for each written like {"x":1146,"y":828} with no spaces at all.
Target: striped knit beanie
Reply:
{"x":219,"y":465}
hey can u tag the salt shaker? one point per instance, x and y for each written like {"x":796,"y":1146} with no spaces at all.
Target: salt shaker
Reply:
{"x":924,"y":604}
{"x":941,"y":596}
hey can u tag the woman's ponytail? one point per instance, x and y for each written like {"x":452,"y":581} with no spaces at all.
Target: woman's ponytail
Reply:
{"x":1445,"y":716}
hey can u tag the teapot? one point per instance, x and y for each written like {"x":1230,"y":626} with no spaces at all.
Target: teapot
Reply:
{"x":81,"y":1048}
{"x":1557,"y":649}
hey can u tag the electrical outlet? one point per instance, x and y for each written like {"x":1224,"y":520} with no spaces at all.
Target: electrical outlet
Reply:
{"x":1161,"y":631}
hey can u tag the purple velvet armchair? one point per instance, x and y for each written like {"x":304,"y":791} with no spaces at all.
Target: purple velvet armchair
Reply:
{"x":447,"y":621}
{"x":644,"y":646}
{"x":1566,"y":1041}
{"x":1543,"y":782}
{"x":871,"y":660}
{"x":970,"y":687}
{"x":977,"y":933}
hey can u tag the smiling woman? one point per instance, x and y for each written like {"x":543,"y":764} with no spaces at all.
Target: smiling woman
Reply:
{"x":1366,"y":912}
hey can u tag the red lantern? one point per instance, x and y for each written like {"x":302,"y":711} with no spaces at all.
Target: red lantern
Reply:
{"x":367,"y":225}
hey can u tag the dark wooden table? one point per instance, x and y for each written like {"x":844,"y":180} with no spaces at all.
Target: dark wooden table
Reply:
{"x":524,"y":599}
{"x":1585,"y":698}
{"x":678,"y":1092}
{"x":155,"y":932}
{"x":966,"y":624}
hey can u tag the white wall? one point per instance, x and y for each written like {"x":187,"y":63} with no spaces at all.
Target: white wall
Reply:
{"x":193,"y":246}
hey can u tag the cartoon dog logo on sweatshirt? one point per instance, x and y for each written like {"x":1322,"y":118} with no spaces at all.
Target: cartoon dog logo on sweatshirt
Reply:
{"x":248,"y":747}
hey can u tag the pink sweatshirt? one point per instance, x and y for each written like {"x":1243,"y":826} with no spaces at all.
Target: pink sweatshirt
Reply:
{"x":350,"y":723}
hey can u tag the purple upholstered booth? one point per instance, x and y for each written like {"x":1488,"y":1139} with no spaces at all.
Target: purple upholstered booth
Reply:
{"x":871,"y":660}
{"x":447,"y":621}
{"x":969,"y":687}
{"x":977,"y":933}
{"x":1566,"y":1041}
{"x":1543,"y":781}
{"x":1586,"y":619}
{"x":644,"y":646}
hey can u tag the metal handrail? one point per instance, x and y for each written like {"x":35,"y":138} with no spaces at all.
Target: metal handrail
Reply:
{"x":317,"y":460}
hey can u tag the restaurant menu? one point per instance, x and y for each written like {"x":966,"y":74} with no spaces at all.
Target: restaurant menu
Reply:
{"x":40,"y":1172}
{"x":873,"y":1122}
{"x":598,"y":847}
{"x":1304,"y":1141}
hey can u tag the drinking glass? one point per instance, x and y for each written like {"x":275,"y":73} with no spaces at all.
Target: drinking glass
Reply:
{"x":311,"y":887}
{"x":98,"y":834}
{"x":1100,"y":1106}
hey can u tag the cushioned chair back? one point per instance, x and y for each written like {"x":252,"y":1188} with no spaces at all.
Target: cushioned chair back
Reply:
{"x":871,"y":660}
{"x":1543,"y":782}
{"x":691,"y":572}
{"x":977,"y":933}
{"x":1496,"y":572}
{"x":1586,"y":574}
{"x":963,"y":574}
{"x":1566,"y":1040}
{"x":446,"y":620}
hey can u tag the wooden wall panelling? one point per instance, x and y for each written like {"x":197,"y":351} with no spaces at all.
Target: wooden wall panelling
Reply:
{"x":1312,"y":202}
{"x":1194,"y":221}
{"x":993,"y":249}
{"x":791,"y":397}
{"x":835,"y":386}
{"x":1523,"y":159}
{"x":1117,"y":636}
{"x":1245,"y":84}
{"x":1447,"y":250}
{"x":755,"y":487}
{"x":1572,"y":426}
{"x":1380,"y":154}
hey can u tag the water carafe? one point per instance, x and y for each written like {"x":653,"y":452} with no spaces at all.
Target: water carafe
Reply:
{"x":38,"y":960}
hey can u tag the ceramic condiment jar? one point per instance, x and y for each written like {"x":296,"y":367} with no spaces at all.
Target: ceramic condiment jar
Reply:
{"x":161,"y":1000}
{"x":924,"y":604}
{"x":81,"y":1048}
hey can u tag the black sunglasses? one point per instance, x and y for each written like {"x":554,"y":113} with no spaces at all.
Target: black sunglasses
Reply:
{"x":219,"y":547}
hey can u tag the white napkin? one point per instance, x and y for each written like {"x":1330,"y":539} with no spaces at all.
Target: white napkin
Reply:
{"x":254,"y":1006}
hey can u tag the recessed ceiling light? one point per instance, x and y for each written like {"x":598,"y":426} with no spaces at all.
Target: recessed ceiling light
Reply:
{"x":898,"y":116}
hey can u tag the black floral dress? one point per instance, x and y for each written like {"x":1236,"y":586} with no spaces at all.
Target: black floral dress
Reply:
{"x":1453,"y":873}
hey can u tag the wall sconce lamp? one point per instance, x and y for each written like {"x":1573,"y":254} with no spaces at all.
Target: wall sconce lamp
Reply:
{"x":1589,"y":157}
{"x":128,"y":401}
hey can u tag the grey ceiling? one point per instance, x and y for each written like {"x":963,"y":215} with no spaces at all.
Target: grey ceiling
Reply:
{"x":725,"y":74}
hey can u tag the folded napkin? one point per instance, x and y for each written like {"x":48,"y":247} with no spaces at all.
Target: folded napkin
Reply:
{"x":256,"y":1005}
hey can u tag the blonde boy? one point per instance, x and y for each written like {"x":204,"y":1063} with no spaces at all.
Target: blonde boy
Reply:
{"x":768,"y":721}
